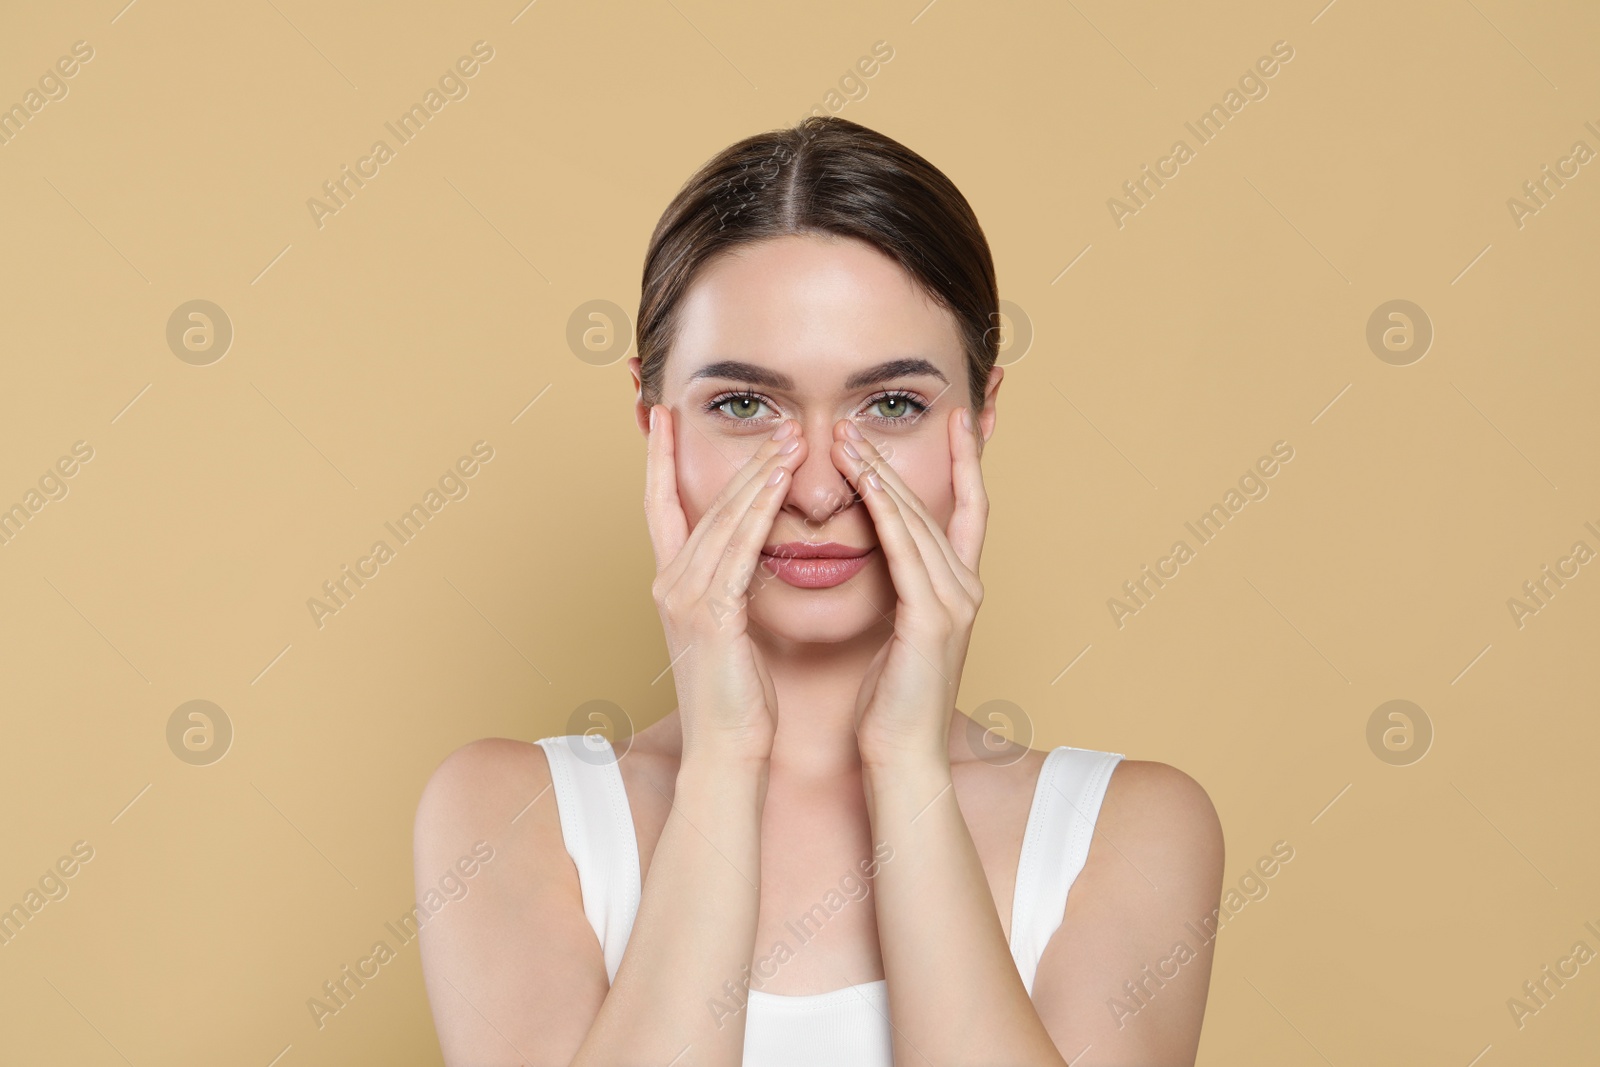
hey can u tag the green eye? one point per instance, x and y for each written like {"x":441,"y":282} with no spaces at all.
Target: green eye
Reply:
{"x":897,"y":407}
{"x":741,"y":406}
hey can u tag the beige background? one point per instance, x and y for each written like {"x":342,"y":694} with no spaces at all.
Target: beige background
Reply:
{"x":1228,"y":314}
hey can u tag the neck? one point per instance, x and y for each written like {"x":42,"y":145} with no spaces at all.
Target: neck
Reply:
{"x":817,"y":686}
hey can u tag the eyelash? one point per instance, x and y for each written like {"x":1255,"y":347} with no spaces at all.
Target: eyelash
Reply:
{"x":918,"y":407}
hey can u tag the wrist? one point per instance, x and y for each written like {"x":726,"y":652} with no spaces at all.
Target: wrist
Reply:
{"x":738,"y":749}
{"x":904,"y":768}
{"x":721,"y":774}
{"x":886,"y":760}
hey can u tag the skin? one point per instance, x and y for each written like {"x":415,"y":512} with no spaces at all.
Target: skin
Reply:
{"x":812,"y":725}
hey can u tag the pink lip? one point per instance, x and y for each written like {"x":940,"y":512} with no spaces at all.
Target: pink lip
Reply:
{"x":815,"y":550}
{"x":807,"y":565}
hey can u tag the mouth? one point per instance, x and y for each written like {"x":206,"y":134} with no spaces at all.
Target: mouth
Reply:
{"x":808,"y":565}
{"x":814,"y":550}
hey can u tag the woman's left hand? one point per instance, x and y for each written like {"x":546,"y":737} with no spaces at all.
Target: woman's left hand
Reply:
{"x":909,"y":692}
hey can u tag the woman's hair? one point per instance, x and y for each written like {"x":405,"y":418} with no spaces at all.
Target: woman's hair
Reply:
{"x":827,"y":176}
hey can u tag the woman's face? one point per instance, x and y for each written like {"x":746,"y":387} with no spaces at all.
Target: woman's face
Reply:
{"x":817,"y":330}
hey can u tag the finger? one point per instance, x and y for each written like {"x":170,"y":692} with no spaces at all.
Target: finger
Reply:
{"x":970,"y":519}
{"x":907,"y":568}
{"x":736,"y":567}
{"x":711,"y":538}
{"x":674,"y":566}
{"x":933,"y":556}
{"x":875,"y":460}
{"x":944,"y":569}
{"x":663,"y":511}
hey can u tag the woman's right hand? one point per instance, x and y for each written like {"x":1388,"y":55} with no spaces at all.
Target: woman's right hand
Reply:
{"x":726,"y":703}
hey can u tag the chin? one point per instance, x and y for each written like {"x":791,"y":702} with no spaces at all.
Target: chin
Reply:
{"x":823,"y":616}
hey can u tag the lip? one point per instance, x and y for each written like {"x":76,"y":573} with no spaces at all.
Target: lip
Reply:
{"x":814,"y":550}
{"x":815,"y":566}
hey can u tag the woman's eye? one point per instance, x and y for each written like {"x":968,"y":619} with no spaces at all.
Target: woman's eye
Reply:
{"x":895,"y":408}
{"x":743,"y":407}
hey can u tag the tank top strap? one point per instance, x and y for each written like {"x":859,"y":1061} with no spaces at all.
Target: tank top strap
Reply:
{"x":1066,"y":803}
{"x":597,"y":829}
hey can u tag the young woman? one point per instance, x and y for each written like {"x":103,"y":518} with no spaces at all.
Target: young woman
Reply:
{"x":809,"y":861}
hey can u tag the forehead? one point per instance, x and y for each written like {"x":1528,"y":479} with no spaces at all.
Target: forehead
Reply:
{"x":829,"y":305}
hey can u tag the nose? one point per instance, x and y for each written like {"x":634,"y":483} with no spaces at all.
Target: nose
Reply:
{"x":818,"y":491}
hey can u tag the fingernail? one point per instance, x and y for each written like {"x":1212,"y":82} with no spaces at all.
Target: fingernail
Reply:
{"x":852,"y":432}
{"x":790,"y":447}
{"x":850,"y":450}
{"x":776,"y":476}
{"x":966,"y":419}
{"x":872,"y":480}
{"x":786,"y":430}
{"x":652,"y":417}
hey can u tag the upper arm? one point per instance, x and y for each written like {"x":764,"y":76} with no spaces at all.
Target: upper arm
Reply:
{"x":1129,"y":968}
{"x":514,"y":972}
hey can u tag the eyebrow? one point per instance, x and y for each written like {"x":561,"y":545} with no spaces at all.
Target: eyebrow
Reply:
{"x":738,"y":370}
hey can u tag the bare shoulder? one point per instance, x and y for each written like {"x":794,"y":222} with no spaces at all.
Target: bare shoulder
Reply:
{"x":487,"y":762}
{"x":1161,"y":813}
{"x":510,"y":928}
{"x":498,"y":791}
{"x":1127,"y":945}
{"x":482,"y":785}
{"x":489,"y":755}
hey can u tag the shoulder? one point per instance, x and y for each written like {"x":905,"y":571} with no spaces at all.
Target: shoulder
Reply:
{"x":518,"y":933}
{"x":483,"y":767}
{"x":496,"y":792}
{"x":481,"y":786}
{"x":1163,"y":827}
{"x":1153,"y":875}
{"x":1159,"y":808}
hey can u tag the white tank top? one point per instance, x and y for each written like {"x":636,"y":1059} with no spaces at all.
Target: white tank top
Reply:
{"x":846,"y":1027}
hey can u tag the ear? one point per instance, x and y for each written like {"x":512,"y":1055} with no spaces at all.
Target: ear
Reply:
{"x":641,"y":410}
{"x":987,"y":417}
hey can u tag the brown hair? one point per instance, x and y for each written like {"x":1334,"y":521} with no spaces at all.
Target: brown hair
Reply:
{"x":825,"y":175}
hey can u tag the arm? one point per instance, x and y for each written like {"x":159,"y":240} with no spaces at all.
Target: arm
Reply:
{"x":1156,"y":825}
{"x":695,"y":929}
{"x":520,"y":978}
{"x":954,"y":990}
{"x":955,"y":993}
{"x":514,"y":972}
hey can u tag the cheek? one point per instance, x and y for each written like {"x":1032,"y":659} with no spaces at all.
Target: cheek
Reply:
{"x":704,"y":470}
{"x":926,"y":470}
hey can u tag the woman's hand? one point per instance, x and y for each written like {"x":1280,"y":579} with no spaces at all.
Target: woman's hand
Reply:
{"x":726,"y":701}
{"x":909,"y":692}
